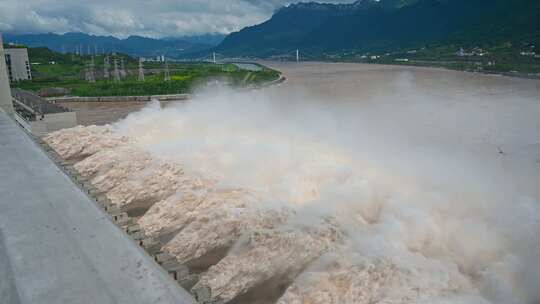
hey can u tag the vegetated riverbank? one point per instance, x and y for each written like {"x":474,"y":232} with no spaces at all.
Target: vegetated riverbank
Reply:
{"x":504,"y":59}
{"x":448,"y":65}
{"x":57,"y":74}
{"x":467,"y":67}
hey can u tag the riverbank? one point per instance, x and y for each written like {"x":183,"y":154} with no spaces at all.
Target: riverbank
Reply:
{"x":472,"y":65}
{"x":176,"y":78}
{"x":471,"y":69}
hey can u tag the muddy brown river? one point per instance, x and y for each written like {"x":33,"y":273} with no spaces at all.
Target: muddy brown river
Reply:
{"x":347,"y":183}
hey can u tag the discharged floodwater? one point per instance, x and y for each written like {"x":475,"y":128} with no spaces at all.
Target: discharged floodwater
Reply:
{"x":346,"y":184}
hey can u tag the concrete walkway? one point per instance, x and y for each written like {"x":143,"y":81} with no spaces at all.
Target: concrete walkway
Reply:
{"x":57,"y":246}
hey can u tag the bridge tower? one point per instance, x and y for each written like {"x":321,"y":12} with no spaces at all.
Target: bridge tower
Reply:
{"x":297,"y":55}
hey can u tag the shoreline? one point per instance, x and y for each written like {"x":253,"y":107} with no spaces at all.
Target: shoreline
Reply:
{"x":424,"y":67}
{"x":162,"y":98}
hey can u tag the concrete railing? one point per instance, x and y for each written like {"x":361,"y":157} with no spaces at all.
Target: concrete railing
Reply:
{"x":121,"y":98}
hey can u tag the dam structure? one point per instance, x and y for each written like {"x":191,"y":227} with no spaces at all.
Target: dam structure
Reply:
{"x":56,"y":245}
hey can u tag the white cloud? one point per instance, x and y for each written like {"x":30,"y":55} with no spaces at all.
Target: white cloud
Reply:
{"x":121,"y":18}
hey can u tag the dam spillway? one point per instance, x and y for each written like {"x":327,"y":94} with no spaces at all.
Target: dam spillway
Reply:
{"x":59,"y":247}
{"x":255,"y":197}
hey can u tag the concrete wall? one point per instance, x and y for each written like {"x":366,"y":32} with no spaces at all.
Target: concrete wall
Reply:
{"x":18,"y":64}
{"x":49,"y":123}
{"x":120,"y":98}
{"x":59,"y":247}
{"x":58,"y":121}
{"x":8,"y":288}
{"x":5,"y":94}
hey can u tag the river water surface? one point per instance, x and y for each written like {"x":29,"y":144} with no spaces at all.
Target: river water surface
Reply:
{"x":393,"y":185}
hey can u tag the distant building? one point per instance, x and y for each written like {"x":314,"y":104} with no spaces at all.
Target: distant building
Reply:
{"x":479,"y":52}
{"x":18,"y":65}
{"x":528,"y":53}
{"x":474,"y":52}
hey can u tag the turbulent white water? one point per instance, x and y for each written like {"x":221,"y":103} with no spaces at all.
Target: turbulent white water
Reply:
{"x":407,"y":195}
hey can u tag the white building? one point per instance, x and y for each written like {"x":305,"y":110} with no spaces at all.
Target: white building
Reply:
{"x":5,"y":94}
{"x":18,"y":65}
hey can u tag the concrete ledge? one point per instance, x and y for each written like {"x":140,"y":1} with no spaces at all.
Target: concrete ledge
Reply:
{"x":58,"y":245}
{"x":121,"y":98}
{"x":8,"y":288}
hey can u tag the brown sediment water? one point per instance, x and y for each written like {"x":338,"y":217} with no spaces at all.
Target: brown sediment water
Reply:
{"x":80,"y":142}
{"x":264,"y":255}
{"x":102,"y":113}
{"x":429,"y":178}
{"x":216,"y":229}
{"x":342,"y":278}
{"x":110,"y":167}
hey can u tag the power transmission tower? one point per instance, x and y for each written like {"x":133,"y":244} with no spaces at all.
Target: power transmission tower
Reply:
{"x":123,"y":73}
{"x":167,"y":72}
{"x":106,"y":67}
{"x":116,"y":72}
{"x":214,"y":58}
{"x":141,"y":70}
{"x":90,"y":73}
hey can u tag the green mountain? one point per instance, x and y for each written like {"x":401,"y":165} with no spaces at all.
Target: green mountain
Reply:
{"x":387,"y":25}
{"x":133,"y":45}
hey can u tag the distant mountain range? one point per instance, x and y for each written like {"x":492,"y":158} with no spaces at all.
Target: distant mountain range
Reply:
{"x":383,"y":25}
{"x":321,"y":29}
{"x":133,"y":45}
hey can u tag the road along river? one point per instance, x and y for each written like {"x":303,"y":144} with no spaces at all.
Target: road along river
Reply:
{"x":346,"y":184}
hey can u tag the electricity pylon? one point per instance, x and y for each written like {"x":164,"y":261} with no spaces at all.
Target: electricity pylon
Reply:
{"x":106,"y":67}
{"x":167,"y":72}
{"x":116,"y":71}
{"x":141,"y":70}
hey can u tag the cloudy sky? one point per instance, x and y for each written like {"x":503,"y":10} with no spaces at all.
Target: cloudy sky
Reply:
{"x":121,"y":18}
